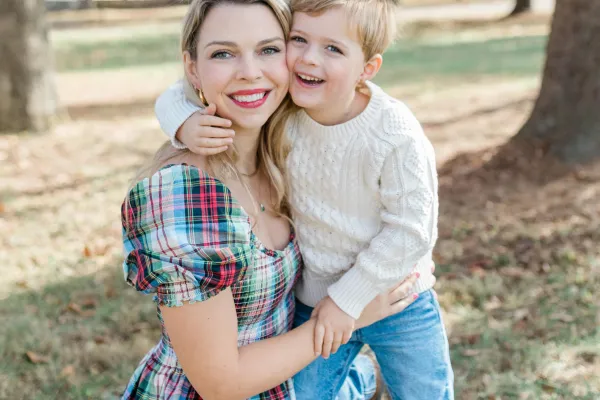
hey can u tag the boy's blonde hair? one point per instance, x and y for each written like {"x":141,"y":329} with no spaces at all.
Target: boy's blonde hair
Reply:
{"x":373,"y":20}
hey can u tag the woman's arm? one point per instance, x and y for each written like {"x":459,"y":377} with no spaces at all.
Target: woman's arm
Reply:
{"x":204,"y":336}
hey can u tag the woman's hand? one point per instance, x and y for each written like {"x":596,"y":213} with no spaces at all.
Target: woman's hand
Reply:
{"x":391,"y":302}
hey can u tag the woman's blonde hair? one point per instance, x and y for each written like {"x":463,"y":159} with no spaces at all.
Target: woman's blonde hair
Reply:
{"x":273,"y":146}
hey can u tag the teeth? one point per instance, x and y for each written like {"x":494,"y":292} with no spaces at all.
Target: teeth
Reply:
{"x":249,"y":98}
{"x":309,"y":78}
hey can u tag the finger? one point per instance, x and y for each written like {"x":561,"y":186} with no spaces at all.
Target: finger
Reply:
{"x":433,"y":268}
{"x":327,"y":344}
{"x":211,"y":109}
{"x":402,"y":304}
{"x":209,"y":142}
{"x":211,"y":120}
{"x":403,"y":289}
{"x":315,"y":310}
{"x":346,"y":337}
{"x":337,"y":342}
{"x":319,"y":335}
{"x":203,"y":151}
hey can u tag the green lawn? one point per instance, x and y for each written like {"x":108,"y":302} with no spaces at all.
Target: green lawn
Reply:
{"x":408,"y":60}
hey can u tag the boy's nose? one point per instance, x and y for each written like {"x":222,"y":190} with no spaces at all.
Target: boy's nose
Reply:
{"x":310,"y":56}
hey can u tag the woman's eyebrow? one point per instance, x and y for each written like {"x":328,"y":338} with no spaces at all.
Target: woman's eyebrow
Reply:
{"x":233,"y":44}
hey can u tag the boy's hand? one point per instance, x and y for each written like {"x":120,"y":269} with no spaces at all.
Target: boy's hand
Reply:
{"x":334,"y":327}
{"x":206,"y":134}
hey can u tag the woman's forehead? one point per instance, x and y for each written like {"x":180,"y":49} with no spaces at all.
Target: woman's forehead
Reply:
{"x":240,"y":24}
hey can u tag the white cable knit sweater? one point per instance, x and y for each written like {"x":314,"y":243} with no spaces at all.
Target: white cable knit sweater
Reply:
{"x":363,"y":194}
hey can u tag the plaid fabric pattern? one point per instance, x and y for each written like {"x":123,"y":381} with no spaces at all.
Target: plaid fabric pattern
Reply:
{"x":185,"y":240}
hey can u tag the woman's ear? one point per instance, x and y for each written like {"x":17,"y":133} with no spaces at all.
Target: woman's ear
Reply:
{"x":189,"y":65}
{"x":372,"y":67}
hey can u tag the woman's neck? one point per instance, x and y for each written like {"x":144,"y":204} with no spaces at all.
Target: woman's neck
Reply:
{"x":246,"y":145}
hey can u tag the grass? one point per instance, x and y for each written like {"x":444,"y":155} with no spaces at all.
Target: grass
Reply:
{"x":408,"y":61}
{"x":518,"y":263}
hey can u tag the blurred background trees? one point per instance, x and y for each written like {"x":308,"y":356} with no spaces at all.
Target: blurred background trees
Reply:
{"x":27,"y":94}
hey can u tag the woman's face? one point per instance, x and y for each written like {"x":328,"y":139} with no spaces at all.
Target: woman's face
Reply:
{"x":241,"y":63}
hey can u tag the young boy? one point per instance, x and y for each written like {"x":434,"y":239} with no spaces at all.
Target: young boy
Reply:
{"x":363,"y":190}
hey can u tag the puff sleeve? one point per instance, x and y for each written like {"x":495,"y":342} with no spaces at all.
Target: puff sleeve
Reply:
{"x":185,"y":237}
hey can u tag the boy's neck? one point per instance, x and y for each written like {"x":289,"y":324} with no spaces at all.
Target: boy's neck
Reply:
{"x":341,"y":112}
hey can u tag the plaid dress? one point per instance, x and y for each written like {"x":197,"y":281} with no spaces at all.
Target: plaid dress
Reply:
{"x":186,"y":239}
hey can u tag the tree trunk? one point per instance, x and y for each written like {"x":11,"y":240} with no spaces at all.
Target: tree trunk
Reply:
{"x":565,"y":122}
{"x":521,"y":6}
{"x":27,"y":95}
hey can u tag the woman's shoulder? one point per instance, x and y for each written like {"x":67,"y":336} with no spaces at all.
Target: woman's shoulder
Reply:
{"x":186,"y":195}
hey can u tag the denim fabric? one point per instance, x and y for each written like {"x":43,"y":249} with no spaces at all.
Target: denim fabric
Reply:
{"x":411,"y":348}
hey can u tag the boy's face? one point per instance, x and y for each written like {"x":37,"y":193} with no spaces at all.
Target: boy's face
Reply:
{"x":325,"y":60}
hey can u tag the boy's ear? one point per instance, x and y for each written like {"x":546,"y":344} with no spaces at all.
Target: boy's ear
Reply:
{"x":372,"y":67}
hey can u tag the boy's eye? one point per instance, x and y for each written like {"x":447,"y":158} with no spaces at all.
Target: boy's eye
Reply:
{"x":221,"y":55}
{"x":297,"y":39}
{"x":271,"y":50}
{"x":334,"y":49}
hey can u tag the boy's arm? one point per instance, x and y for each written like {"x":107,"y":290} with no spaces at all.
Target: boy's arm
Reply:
{"x":172,"y":109}
{"x":408,"y":192}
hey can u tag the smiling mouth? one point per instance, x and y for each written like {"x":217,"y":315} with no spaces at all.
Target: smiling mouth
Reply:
{"x":252,"y":100}
{"x":308,"y":80}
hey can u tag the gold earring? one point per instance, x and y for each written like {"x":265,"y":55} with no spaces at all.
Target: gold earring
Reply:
{"x":202,"y":98}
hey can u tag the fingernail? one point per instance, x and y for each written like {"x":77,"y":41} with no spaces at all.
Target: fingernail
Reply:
{"x":415,"y":296}
{"x":418,"y":274}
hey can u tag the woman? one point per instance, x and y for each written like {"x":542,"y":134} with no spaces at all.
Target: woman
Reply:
{"x":210,"y":236}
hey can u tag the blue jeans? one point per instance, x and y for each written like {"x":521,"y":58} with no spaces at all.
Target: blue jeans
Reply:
{"x":411,"y":348}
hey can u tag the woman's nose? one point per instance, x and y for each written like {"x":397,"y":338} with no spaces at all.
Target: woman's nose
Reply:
{"x":249,"y":69}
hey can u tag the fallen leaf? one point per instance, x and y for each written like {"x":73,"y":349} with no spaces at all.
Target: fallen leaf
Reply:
{"x":520,"y":314}
{"x":88,"y":313}
{"x":475,"y":269}
{"x":493,"y":304}
{"x":89,"y":302}
{"x":548,"y":388}
{"x":110,"y":292}
{"x":23,"y":284}
{"x":588,"y":357}
{"x":564,"y":317}
{"x":520,"y":325}
{"x":100,"y":340}
{"x":513,"y":272}
{"x":87,"y":253}
{"x":69,"y":370}
{"x":470,"y":352}
{"x":36,"y":358}
{"x":75,"y":308}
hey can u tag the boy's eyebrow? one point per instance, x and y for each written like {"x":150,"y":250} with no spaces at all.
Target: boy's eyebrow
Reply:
{"x":327,"y":39}
{"x":233,"y":44}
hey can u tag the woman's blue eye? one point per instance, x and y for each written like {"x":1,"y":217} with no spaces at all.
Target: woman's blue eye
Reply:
{"x":271,"y":50}
{"x":334,"y":49}
{"x":221,"y":55}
